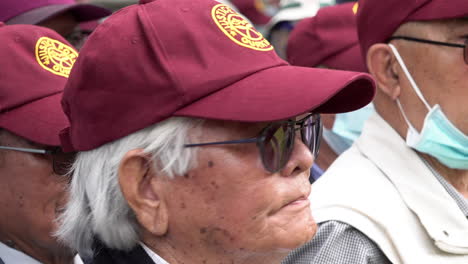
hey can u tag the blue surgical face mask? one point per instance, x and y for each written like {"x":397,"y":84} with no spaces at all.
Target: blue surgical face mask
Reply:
{"x":439,"y":137}
{"x":347,"y":128}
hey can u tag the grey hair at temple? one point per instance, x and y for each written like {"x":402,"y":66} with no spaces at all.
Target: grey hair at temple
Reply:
{"x":97,"y":208}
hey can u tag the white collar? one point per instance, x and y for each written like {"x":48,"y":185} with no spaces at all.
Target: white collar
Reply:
{"x":435,"y":208}
{"x":12,"y":256}
{"x":155,"y":257}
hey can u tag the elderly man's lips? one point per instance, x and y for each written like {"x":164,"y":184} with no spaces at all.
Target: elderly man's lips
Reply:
{"x":298,"y":202}
{"x":295,"y":205}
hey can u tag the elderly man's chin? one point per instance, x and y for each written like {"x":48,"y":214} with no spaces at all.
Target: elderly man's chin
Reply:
{"x":294,"y":225}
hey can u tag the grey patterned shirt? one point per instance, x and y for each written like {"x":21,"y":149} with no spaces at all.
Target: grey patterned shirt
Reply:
{"x":340,"y":243}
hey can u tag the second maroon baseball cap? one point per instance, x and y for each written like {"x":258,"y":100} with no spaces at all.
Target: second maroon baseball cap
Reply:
{"x":36,"y":11}
{"x":36,"y":62}
{"x":165,"y":58}
{"x":377,"y":20}
{"x":329,"y":38}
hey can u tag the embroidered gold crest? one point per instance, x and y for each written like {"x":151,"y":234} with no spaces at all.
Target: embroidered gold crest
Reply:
{"x":355,"y":8}
{"x":238,"y":29}
{"x":55,"y":56}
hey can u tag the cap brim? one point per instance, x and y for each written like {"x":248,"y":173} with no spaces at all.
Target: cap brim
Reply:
{"x":39,"y":121}
{"x":82,"y":13}
{"x":286,"y":91}
{"x":291,"y":14}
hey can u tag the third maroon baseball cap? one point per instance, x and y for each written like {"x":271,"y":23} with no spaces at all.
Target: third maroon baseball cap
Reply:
{"x":36,"y":62}
{"x":35,"y":11}
{"x":377,"y":20}
{"x":329,"y":39}
{"x":164,"y":58}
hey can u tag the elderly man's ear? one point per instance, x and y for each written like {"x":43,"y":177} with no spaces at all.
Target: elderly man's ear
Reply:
{"x":142,"y":189}
{"x":384,"y":68}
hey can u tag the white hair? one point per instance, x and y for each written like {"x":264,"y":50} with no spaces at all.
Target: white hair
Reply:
{"x":96,"y":206}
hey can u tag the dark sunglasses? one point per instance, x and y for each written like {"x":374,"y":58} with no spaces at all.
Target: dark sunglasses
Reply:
{"x":455,"y":45}
{"x":61,"y":161}
{"x":276,"y":141}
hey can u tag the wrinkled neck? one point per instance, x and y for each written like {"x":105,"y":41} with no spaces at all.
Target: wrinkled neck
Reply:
{"x":197,"y":253}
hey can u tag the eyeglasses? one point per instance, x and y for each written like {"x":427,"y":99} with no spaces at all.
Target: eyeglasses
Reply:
{"x":276,"y":141}
{"x":61,"y":161}
{"x":464,"y":46}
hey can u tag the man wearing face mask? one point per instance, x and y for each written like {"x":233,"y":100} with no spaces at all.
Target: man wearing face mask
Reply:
{"x":404,"y":183}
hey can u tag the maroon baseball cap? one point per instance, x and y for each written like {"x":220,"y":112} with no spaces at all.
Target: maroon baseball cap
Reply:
{"x":329,"y":38}
{"x":377,"y":20}
{"x":195,"y":59}
{"x":36,"y":11}
{"x":36,"y":62}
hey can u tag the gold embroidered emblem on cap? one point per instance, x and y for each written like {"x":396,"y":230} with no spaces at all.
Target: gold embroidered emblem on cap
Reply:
{"x":238,"y":29}
{"x":355,"y":8}
{"x":55,"y":56}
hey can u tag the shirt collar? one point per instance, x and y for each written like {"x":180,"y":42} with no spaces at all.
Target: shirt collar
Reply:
{"x":155,"y":257}
{"x":437,"y":210}
{"x":11,"y":256}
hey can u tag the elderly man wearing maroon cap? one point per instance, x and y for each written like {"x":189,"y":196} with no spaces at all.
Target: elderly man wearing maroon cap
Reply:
{"x":403,"y":184}
{"x":63,"y":16}
{"x":194,"y":139}
{"x":36,"y":62}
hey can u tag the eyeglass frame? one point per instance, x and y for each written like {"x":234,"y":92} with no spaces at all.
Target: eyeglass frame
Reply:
{"x":261,"y":137}
{"x":53,"y":152}
{"x":433,"y":42}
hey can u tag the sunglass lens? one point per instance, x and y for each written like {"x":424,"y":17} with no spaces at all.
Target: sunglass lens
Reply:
{"x":311,"y":132}
{"x":278,"y":146}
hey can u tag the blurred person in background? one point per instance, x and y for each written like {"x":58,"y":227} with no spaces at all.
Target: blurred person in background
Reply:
{"x":194,"y":145}
{"x":400,"y":193}
{"x":282,"y":23}
{"x":63,"y":16}
{"x":259,"y":12}
{"x":36,"y":62}
{"x":329,"y":40}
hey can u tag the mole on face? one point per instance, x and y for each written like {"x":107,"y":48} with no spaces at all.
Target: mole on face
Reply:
{"x":188,"y":175}
{"x":210,"y":164}
{"x":214,"y":184}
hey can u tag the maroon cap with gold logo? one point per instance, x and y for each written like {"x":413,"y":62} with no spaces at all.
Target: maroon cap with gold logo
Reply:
{"x":377,"y":20}
{"x":329,"y":39}
{"x":164,"y":58}
{"x":36,"y":62}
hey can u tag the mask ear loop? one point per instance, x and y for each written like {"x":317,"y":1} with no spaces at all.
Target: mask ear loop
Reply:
{"x":413,"y":83}
{"x":408,"y":75}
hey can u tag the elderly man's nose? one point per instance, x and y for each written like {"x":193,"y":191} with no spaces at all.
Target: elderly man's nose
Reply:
{"x":301,"y":160}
